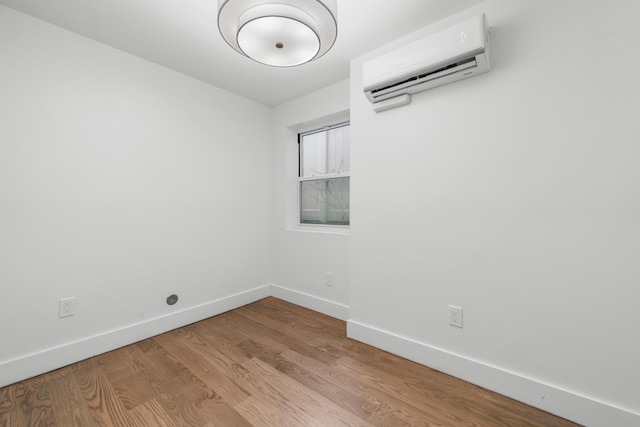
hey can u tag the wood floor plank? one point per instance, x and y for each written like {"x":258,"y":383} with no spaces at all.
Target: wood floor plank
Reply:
{"x":278,"y":393}
{"x":426,"y":396}
{"x":223,"y":336}
{"x":292,"y":322}
{"x":258,"y":329}
{"x":183,"y":393}
{"x":152,"y":414}
{"x":215,"y":355}
{"x":386,"y":405}
{"x":417,"y":376}
{"x":68,"y":404}
{"x":103,"y":402}
{"x":419,"y":395}
{"x":8,"y":410}
{"x":281,"y":311}
{"x":253,"y":410}
{"x":225,"y":328}
{"x":269,"y":363}
{"x":27,"y":403}
{"x":124,"y":370}
{"x":216,"y":380}
{"x":293,"y":338}
{"x":349,"y":401}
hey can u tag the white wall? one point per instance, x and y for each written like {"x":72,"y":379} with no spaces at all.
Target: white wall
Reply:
{"x":302,"y":255}
{"x":121,"y":182}
{"x":515,"y":195}
{"x":512,"y":194}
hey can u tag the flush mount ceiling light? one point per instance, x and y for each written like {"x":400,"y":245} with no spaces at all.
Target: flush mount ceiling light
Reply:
{"x":281,"y":33}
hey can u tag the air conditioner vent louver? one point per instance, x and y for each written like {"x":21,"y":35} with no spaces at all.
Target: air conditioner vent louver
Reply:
{"x":396,"y":84}
{"x":453,"y":54}
{"x":441,"y":72}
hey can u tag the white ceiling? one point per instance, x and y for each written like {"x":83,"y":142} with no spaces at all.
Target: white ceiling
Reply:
{"x":182,"y":35}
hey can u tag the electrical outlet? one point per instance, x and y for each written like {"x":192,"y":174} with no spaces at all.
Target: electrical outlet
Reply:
{"x":67,"y":307}
{"x":330,"y":278}
{"x":455,"y":316}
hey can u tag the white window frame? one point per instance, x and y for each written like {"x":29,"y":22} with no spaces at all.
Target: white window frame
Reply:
{"x":321,"y":177}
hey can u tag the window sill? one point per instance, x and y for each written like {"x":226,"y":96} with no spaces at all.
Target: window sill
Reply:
{"x":343,"y":230}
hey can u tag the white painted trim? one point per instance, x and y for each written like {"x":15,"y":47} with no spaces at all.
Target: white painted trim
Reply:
{"x":341,"y":230}
{"x":312,"y":302}
{"x":324,"y":177}
{"x":564,"y":403}
{"x":30,"y":365}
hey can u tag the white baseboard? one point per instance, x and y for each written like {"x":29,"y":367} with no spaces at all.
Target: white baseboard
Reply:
{"x":566,"y":404}
{"x":312,"y":302}
{"x":53,"y":358}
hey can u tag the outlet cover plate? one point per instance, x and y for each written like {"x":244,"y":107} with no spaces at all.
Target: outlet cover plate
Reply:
{"x":67,"y":307}
{"x":455,"y":316}
{"x":330,"y":279}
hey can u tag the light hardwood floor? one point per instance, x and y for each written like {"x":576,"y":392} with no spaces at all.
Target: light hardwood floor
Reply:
{"x":269,"y":363}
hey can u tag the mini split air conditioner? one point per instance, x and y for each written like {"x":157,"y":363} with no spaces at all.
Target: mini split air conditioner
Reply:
{"x":458,"y":52}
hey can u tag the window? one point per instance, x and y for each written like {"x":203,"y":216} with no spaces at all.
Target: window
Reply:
{"x":323,"y":176}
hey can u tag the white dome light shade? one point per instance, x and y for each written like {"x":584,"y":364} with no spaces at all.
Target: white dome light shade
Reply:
{"x":280,"y":33}
{"x":278,"y":41}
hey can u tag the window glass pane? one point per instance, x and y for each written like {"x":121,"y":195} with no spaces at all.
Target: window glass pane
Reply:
{"x":313,"y":154}
{"x":325,"y":201}
{"x":325,"y":152}
{"x":338,"y":150}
